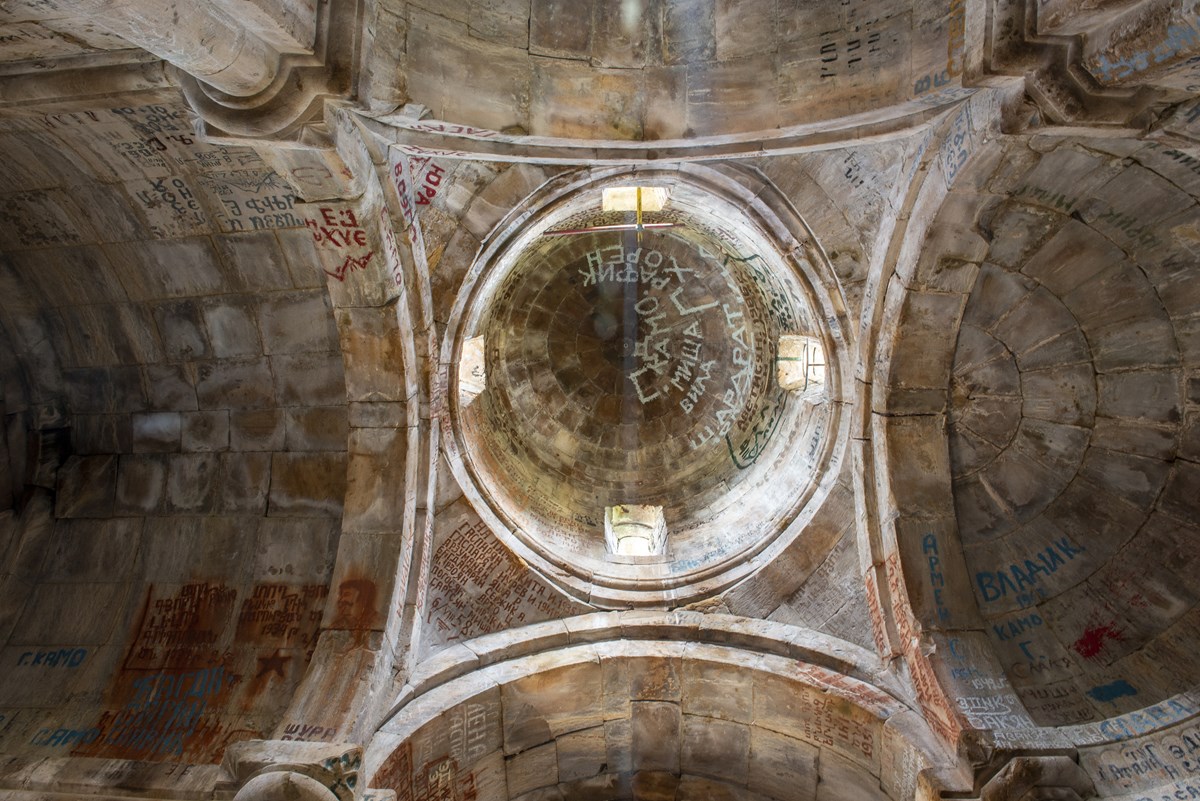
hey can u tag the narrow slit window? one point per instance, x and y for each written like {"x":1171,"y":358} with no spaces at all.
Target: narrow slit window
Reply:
{"x":635,"y":530}
{"x":800,"y":364}
{"x":472,"y":372}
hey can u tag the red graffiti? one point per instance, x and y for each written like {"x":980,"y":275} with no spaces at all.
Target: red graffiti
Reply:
{"x":350,"y":264}
{"x":338,"y":228}
{"x":1092,"y":642}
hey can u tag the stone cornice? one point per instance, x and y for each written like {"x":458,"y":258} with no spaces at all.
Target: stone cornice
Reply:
{"x":297,"y":95}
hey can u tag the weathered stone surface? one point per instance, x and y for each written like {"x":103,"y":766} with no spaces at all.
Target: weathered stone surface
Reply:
{"x":715,"y":748}
{"x":619,"y":41}
{"x":156,"y":432}
{"x":257,"y":430}
{"x":252,"y":260}
{"x":781,"y":766}
{"x":501,"y":21}
{"x":167,"y":269}
{"x":581,"y":754}
{"x":688,"y":31}
{"x":193,"y":481}
{"x":231,"y":327}
{"x":316,"y":428}
{"x":531,"y":769}
{"x":431,"y":38}
{"x":384,"y":414}
{"x":235,"y":384}
{"x":303,"y":264}
{"x":574,"y":112}
{"x":182,"y":331}
{"x":554,"y":28}
{"x":1061,"y":178}
{"x":245,"y":480}
{"x":295,"y":550}
{"x":1150,"y":395}
{"x":373,"y":454}
{"x":307,"y":485}
{"x":560,"y":701}
{"x":205,"y":431}
{"x":86,"y":487}
{"x":87,"y":550}
{"x":734,"y":700}
{"x":372,"y":348}
{"x":102,"y":335}
{"x":171,"y":387}
{"x":177,"y":550}
{"x":296,"y":323}
{"x":1017,"y":231}
{"x":1071,"y":258}
{"x":101,"y":433}
{"x":1179,"y":493}
{"x":841,"y":780}
{"x":1064,"y":395}
{"x":105,"y":390}
{"x":70,"y":614}
{"x":141,"y":482}
{"x":655,"y":729}
{"x":309,"y":378}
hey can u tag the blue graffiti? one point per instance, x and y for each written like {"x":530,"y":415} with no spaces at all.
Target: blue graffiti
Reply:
{"x":164,"y":712}
{"x":1149,"y":719}
{"x":1111,"y":692}
{"x":63,"y":657}
{"x":1013,"y":579}
{"x":1179,"y":39}
{"x":61,"y":737}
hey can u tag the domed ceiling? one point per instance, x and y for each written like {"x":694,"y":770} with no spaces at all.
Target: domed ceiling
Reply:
{"x":353,"y":447}
{"x":638,"y":368}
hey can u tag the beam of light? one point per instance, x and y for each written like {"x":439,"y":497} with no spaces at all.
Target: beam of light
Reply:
{"x":631,"y":16}
{"x":617,"y":227}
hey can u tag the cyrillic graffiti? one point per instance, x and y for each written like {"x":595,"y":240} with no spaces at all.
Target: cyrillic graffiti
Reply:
{"x":1015,"y":578}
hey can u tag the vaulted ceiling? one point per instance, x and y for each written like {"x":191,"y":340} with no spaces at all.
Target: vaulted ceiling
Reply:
{"x":319,"y":441}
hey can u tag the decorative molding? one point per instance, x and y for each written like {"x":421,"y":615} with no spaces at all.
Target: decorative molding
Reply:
{"x":306,"y":771}
{"x":1039,"y":778}
{"x":81,"y":76}
{"x":1055,"y":77}
{"x":296,"y":98}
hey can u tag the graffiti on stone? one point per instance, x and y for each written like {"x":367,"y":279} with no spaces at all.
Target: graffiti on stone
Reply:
{"x":477,"y":586}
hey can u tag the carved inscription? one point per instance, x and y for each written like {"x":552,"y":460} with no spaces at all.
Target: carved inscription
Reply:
{"x":436,"y":780}
{"x":825,"y":722}
{"x":859,"y":45}
{"x":1172,"y":756}
{"x":172,"y":207}
{"x":477,"y":586}
{"x":252,"y":200}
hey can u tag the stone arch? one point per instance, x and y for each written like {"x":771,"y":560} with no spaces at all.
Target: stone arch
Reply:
{"x":617,"y":703}
{"x":1059,"y":455}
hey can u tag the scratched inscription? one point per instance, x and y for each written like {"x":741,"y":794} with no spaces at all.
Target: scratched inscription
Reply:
{"x":477,"y":586}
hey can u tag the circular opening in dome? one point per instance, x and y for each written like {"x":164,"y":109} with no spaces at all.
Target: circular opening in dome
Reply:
{"x":639,"y":411}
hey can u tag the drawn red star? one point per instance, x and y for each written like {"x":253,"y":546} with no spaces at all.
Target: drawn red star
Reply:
{"x":272,"y":664}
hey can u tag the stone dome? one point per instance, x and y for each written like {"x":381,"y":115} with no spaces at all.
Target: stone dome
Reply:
{"x":640,"y":368}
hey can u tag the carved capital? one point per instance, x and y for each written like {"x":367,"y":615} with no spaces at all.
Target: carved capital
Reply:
{"x":266,"y":769}
{"x":295,"y":98}
{"x":1056,"y":79}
